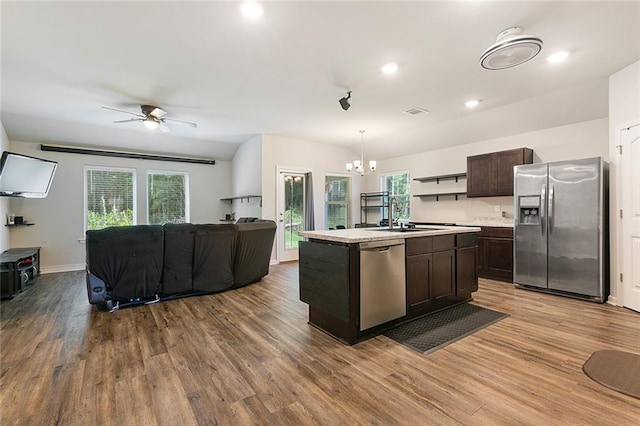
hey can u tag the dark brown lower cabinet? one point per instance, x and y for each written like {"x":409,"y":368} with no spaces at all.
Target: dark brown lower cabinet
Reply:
{"x":444,"y":274}
{"x":495,"y":253}
{"x":419,"y":272}
{"x":466,"y":271}
{"x":434,"y":268}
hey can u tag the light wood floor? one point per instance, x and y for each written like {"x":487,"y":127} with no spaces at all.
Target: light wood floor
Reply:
{"x":249,"y":357}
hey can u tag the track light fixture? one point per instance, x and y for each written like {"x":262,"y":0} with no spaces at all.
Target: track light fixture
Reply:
{"x":344,"y":102}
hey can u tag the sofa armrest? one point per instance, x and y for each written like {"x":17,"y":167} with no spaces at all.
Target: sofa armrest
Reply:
{"x":253,"y":251}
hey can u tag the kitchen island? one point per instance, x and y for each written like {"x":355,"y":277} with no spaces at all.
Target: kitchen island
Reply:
{"x":360,"y":282}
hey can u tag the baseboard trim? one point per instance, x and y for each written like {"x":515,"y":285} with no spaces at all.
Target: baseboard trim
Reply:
{"x":612,"y":300}
{"x":63,"y":268}
{"x":273,"y":262}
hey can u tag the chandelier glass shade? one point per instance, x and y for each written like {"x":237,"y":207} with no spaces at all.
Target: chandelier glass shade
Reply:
{"x":357,"y":166}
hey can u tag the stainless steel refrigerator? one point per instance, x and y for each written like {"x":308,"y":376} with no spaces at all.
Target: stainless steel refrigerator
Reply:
{"x":560,"y":228}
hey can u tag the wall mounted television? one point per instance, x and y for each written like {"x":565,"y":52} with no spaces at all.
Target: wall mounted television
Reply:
{"x":25,"y":176}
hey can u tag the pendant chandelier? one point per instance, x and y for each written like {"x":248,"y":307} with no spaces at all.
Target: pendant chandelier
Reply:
{"x":357,"y":166}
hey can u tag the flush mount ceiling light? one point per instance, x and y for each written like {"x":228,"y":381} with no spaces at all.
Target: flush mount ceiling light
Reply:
{"x":558,"y":57}
{"x":511,"y":48}
{"x":357,"y":166}
{"x":472,"y":103}
{"x":390,"y":68}
{"x":344,"y":102}
{"x":252,"y":10}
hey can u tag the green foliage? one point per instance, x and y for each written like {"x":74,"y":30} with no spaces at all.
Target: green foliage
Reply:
{"x":398,"y":186}
{"x":112,"y":218}
{"x":166,"y":198}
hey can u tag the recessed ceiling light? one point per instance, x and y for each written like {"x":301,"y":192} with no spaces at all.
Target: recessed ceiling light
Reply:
{"x":390,"y":68}
{"x":252,"y":10}
{"x":472,"y":103}
{"x":558,"y":57}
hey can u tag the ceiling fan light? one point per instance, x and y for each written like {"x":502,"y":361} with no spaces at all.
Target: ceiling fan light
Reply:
{"x":150,"y":123}
{"x":511,"y":49}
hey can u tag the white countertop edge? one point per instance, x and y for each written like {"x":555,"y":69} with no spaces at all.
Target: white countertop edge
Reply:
{"x":488,"y":224}
{"x":361,"y":235}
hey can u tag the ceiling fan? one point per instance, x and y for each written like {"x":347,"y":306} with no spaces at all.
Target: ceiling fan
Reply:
{"x":153,"y":118}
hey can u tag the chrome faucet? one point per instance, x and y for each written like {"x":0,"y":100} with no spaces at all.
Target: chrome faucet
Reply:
{"x":392,"y":201}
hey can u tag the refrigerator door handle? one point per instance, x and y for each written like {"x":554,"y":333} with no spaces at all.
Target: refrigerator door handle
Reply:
{"x":550,"y":216}
{"x":543,"y":197}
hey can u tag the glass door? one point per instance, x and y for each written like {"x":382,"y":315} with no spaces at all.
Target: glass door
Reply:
{"x":291,"y":202}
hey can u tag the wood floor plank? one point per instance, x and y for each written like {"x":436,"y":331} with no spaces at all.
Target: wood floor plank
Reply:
{"x":249,"y":356}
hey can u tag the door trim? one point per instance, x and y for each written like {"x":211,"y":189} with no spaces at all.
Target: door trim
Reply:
{"x":280,"y":199}
{"x":618,"y":257}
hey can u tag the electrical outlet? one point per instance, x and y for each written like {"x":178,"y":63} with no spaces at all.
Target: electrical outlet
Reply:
{"x":496,"y":208}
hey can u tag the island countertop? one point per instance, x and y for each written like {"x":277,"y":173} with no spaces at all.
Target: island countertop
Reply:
{"x":361,"y":235}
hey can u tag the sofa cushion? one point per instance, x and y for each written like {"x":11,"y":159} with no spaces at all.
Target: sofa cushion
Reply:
{"x":214,"y":249}
{"x":128,"y":259}
{"x":177,"y":274}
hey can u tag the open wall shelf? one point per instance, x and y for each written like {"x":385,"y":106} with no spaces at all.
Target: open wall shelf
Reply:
{"x":453,"y":192}
{"x":438,"y":178}
{"x":242,"y":198}
{"x":442,"y":194}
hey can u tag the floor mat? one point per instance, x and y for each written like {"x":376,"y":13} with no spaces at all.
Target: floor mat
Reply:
{"x":434,"y":331}
{"x":616,"y":370}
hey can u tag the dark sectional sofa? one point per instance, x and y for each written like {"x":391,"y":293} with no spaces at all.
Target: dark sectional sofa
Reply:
{"x":148,"y":263}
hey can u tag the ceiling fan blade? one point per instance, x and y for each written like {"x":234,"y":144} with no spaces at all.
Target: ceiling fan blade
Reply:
{"x":163,"y":128}
{"x":129,"y":120}
{"x":126,"y":112}
{"x":180,"y":123}
{"x":158,"y":112}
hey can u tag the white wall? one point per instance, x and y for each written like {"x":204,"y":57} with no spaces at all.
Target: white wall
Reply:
{"x":624,"y":109}
{"x":581,"y":140}
{"x":59,"y":218}
{"x":5,"y":241}
{"x":246,"y":178}
{"x":320,"y":159}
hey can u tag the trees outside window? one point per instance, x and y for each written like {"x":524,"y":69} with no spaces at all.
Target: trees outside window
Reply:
{"x":398,"y":186}
{"x":167,"y":198}
{"x":337,"y":201}
{"x":109,"y":197}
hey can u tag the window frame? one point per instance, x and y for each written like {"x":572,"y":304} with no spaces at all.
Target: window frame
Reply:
{"x":349,"y":198}
{"x":187,"y":201}
{"x":134,"y":181}
{"x":383,"y":187}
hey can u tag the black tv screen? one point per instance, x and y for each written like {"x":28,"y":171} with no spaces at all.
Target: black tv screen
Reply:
{"x":24,"y":176}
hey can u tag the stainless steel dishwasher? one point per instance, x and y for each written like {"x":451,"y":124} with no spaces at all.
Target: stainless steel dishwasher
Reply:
{"x":382,"y":282}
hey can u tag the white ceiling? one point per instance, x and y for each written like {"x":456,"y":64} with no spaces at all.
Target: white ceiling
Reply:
{"x":283,"y":74}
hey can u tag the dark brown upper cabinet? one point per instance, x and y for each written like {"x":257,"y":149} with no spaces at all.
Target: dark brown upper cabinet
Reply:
{"x":491,"y":175}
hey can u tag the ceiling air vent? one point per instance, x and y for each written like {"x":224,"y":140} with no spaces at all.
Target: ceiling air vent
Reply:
{"x":416,"y":111}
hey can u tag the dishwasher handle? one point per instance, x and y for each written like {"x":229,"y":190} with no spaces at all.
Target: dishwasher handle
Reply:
{"x":383,"y":245}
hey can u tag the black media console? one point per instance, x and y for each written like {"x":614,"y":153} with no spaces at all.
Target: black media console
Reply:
{"x":19,"y":267}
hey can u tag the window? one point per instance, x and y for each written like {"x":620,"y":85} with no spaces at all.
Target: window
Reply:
{"x":337,"y":201}
{"x":167,"y":198}
{"x":398,"y":186}
{"x":109,"y":197}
